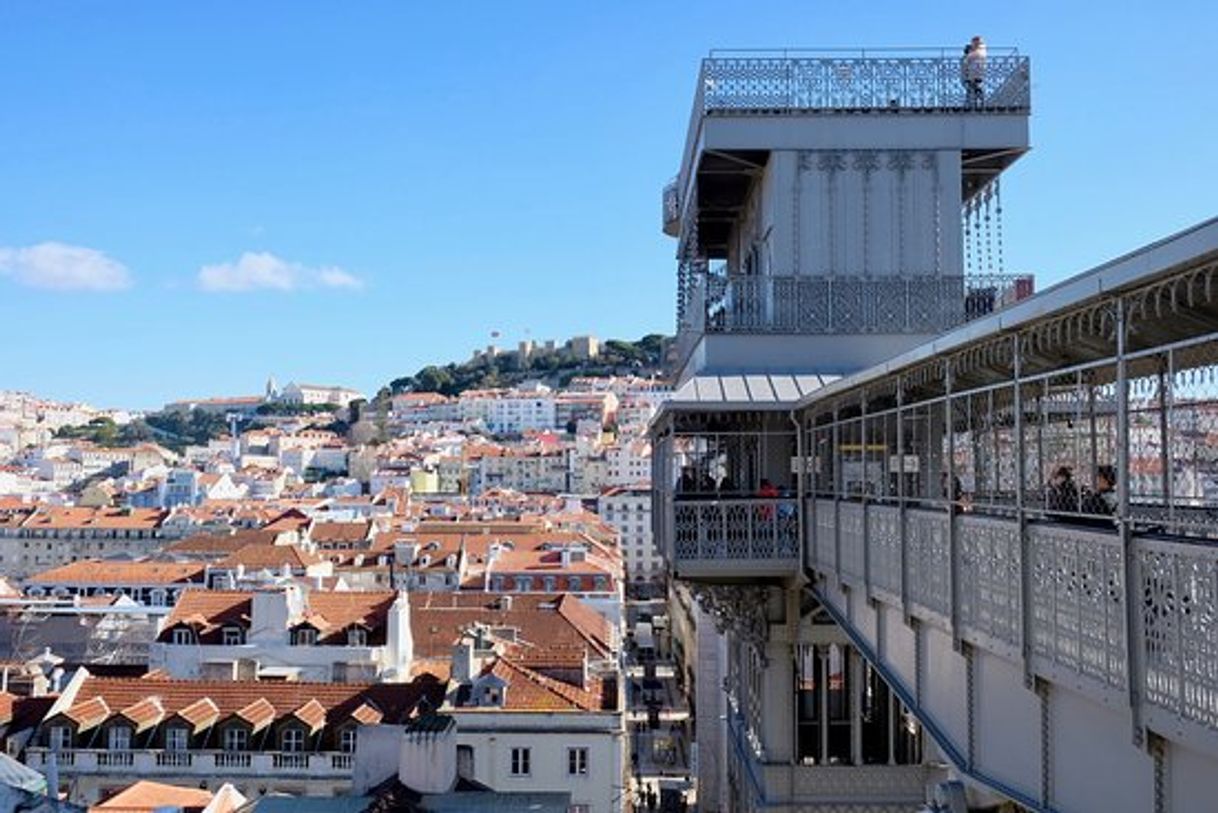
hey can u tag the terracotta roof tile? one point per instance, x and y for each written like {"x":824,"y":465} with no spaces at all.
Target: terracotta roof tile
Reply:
{"x":144,"y":714}
{"x":529,"y":690}
{"x":367,"y":714}
{"x":199,"y":701}
{"x":96,"y":571}
{"x":201,"y":714}
{"x":312,"y":714}
{"x":258,"y":713}
{"x":88,"y":713}
{"x":148,"y":796}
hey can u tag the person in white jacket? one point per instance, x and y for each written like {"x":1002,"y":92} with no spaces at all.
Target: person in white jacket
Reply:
{"x":973,"y":71}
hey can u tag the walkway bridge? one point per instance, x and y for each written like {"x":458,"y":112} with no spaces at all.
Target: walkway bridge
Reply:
{"x":1016,"y":525}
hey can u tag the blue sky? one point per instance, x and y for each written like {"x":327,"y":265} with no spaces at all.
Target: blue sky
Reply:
{"x":403,"y":178}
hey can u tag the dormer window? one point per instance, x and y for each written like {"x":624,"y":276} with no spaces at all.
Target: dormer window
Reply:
{"x":232,"y":636}
{"x":357,"y":636}
{"x":602,"y":584}
{"x":573,"y":584}
{"x":183,"y":636}
{"x":119,"y":738}
{"x":549,"y":584}
{"x":292,"y":740}
{"x":304,"y":636}
{"x":59,"y":738}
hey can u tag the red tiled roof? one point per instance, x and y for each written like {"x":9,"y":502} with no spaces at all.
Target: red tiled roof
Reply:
{"x":258,"y":713}
{"x":145,"y":713}
{"x":271,"y":556}
{"x":312,"y":714}
{"x":88,"y":713}
{"x":149,"y":796}
{"x":201,"y":701}
{"x":96,"y":571}
{"x":200,"y":714}
{"x":529,"y":690}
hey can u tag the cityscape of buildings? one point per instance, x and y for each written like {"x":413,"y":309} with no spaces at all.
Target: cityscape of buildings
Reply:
{"x":230,"y":615}
{"x":892,"y":532}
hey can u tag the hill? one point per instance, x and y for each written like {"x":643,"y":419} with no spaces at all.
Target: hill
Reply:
{"x":556,"y":368}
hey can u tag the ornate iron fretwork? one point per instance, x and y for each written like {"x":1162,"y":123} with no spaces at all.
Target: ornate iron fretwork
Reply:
{"x":737,"y":609}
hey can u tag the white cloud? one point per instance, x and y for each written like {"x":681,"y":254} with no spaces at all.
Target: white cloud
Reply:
{"x":261,"y":270}
{"x":60,"y":267}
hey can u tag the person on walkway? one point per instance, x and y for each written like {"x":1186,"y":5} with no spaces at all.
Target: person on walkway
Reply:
{"x":973,"y":71}
{"x":1062,"y":494}
{"x":767,"y":491}
{"x":1102,"y":501}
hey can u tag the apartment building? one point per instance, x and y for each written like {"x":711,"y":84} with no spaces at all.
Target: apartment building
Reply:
{"x":628,"y":510}
{"x":262,"y":737}
{"x":286,"y":632}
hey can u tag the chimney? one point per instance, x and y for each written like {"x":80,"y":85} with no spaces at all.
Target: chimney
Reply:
{"x":399,"y":640}
{"x":427,"y":762}
{"x":505,"y":603}
{"x":464,"y":664}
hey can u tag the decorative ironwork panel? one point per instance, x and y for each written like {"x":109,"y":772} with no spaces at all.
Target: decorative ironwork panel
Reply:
{"x":1179,"y":627}
{"x":767,"y":85}
{"x":989,"y":577}
{"x":927,"y":560}
{"x":850,"y":521}
{"x":749,"y":529}
{"x":884,"y":546}
{"x":826,"y":528}
{"x":808,"y":304}
{"x":1078,"y":601}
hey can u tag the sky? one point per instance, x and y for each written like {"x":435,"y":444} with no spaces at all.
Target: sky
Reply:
{"x":195,"y":196}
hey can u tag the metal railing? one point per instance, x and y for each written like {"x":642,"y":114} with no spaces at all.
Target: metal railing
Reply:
{"x":193,"y":762}
{"x":778,"y":82}
{"x":806,"y":304}
{"x":735,"y":530}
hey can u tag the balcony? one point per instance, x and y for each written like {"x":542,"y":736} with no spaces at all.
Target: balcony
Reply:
{"x":738,"y":538}
{"x":809,"y":304}
{"x":770,"y":82}
{"x":211,"y":763}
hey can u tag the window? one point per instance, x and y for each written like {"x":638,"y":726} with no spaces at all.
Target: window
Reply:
{"x":183,"y":636}
{"x":292,"y":740}
{"x":577,"y":761}
{"x":304,"y":636}
{"x":521,"y":761}
{"x":233,"y":636}
{"x":177,"y":739}
{"x":235,"y":739}
{"x":119,"y":738}
{"x":60,"y":738}
{"x":357,"y":636}
{"x":465,"y":761}
{"x":346,"y":740}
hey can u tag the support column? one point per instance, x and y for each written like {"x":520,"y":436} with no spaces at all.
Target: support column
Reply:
{"x":822,"y":698}
{"x":892,"y":726}
{"x":778,"y":682}
{"x":855,"y":678}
